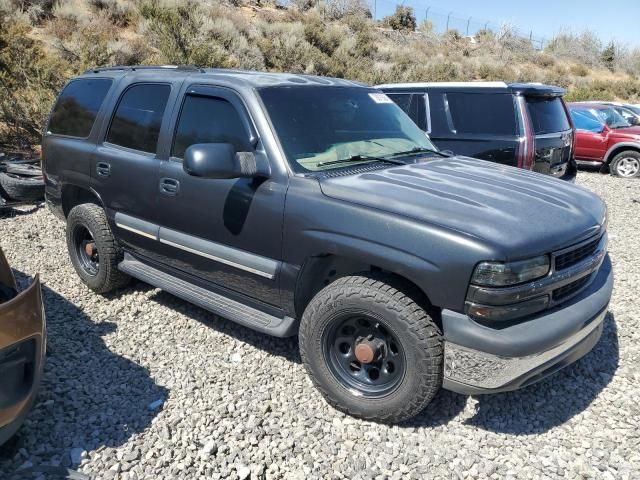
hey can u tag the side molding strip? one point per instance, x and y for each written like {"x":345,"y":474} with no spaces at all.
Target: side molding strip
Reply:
{"x":249,"y":262}
{"x":265,"y":267}
{"x":135,"y":225}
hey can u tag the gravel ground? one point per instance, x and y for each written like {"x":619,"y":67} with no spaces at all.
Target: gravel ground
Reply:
{"x":143,"y":385}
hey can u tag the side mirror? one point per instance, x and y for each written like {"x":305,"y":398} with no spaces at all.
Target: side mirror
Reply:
{"x":634,"y":120}
{"x":219,"y":160}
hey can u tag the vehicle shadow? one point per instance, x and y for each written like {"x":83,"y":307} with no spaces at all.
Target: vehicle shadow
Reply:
{"x":282,"y":347}
{"x":90,"y":397}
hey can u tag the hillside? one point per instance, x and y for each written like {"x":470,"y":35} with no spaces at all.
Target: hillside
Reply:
{"x":43,"y":43}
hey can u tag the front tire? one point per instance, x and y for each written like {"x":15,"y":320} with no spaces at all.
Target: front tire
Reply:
{"x":626,"y":164}
{"x":371,"y":350}
{"x":93,"y":250}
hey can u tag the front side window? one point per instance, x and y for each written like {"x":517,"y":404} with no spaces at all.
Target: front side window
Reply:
{"x":77,"y":107}
{"x":414,"y":105}
{"x":586,"y":121}
{"x":209,"y":120}
{"x":136,"y":123}
{"x":482,"y":113}
{"x":547,"y":115}
{"x":321,"y":126}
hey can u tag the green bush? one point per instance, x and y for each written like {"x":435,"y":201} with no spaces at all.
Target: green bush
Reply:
{"x":402,"y":19}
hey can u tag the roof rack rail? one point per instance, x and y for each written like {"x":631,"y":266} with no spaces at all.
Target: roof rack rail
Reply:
{"x":133,"y":68}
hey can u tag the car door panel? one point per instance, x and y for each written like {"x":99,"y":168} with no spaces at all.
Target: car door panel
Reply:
{"x":591,"y":145}
{"x":118,"y":170}
{"x":225,"y":231}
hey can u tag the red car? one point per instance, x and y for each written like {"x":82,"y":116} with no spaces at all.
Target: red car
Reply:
{"x":605,"y":139}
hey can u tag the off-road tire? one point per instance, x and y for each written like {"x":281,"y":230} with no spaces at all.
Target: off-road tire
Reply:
{"x":21,"y":188}
{"x":420,"y":337}
{"x":619,"y":158}
{"x":108,"y":277}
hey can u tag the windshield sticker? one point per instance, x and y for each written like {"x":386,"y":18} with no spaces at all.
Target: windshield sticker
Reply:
{"x":380,"y":98}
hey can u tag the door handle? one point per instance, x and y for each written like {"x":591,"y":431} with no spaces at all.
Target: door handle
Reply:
{"x":103,"y":169}
{"x":169,"y":186}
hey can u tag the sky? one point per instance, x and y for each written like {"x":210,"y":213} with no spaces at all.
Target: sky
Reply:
{"x":617,"y":20}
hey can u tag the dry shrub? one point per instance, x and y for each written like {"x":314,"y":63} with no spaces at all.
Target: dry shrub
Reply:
{"x":29,"y":81}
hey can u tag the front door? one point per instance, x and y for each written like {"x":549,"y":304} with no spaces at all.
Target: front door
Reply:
{"x":224,"y":231}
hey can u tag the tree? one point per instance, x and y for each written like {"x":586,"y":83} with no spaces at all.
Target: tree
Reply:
{"x":402,"y":19}
{"x":609,"y":56}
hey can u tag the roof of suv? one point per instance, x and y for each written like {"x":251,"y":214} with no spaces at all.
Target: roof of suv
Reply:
{"x":247,"y":77}
{"x":481,"y":87}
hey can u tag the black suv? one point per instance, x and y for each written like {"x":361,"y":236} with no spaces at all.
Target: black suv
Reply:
{"x":301,"y":205}
{"x":524,"y":125}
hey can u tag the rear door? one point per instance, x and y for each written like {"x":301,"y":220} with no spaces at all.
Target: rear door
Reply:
{"x":125,"y":167}
{"x":591,"y":136}
{"x":552,"y":132}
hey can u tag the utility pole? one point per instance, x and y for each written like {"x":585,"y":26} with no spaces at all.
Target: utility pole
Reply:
{"x":468,"y":22}
{"x":426,"y":14}
{"x":375,"y":4}
{"x":448,"y":17}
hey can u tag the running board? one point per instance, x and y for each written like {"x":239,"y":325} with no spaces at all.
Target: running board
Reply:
{"x":225,"y":307}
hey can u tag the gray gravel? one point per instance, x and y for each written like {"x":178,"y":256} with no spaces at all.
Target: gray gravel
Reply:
{"x":142,"y":385}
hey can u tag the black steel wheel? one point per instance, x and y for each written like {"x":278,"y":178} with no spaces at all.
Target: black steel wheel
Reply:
{"x":371,"y":349}
{"x":93,"y":250}
{"x":364,"y":355}
{"x":86,"y":250}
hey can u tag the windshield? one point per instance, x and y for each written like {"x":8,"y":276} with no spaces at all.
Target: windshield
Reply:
{"x":327,"y":127}
{"x":612,"y":118}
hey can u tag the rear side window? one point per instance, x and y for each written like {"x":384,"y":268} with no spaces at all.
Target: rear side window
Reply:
{"x":136,"y":123}
{"x":414,"y":105}
{"x":547,"y":115}
{"x":209,"y":120}
{"x":482,"y":113}
{"x":77,"y":107}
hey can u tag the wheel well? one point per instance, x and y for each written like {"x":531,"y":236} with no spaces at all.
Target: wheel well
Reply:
{"x":73,"y":195}
{"x":621,"y":149}
{"x":322,"y":270}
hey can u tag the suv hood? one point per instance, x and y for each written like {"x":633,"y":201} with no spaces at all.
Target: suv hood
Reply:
{"x":517,"y":212}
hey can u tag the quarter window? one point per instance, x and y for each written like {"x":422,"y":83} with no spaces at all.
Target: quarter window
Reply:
{"x":136,"y":123}
{"x":209,"y":120}
{"x":482,"y":113}
{"x":77,"y":107}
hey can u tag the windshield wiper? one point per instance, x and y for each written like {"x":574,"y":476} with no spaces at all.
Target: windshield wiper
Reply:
{"x":361,"y":158}
{"x":418,"y":150}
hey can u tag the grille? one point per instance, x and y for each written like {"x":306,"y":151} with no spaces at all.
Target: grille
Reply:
{"x":574,"y":256}
{"x":570,"y":288}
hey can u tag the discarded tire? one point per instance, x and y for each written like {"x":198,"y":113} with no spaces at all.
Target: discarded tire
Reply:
{"x":21,"y":188}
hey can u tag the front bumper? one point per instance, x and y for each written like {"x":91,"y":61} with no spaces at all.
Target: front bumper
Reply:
{"x":479,"y":359}
{"x":22,"y":351}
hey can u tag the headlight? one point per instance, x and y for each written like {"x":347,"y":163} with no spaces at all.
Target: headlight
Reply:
{"x":497,"y":274}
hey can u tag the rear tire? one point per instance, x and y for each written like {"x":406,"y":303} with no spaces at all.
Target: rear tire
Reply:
{"x":626,"y":164}
{"x":93,"y":250}
{"x":368,"y":309}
